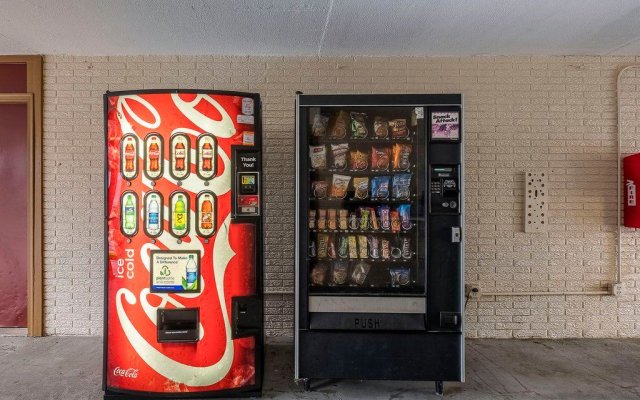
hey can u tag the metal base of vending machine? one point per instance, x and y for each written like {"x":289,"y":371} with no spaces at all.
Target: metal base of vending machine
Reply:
{"x":380,"y":236}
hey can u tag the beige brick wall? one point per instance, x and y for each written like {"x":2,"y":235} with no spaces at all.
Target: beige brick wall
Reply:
{"x":545,"y":113}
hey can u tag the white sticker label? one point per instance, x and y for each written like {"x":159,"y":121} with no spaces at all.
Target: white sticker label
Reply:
{"x":420,"y":112}
{"x":248,"y":138}
{"x":245,"y":119}
{"x":247,"y":105}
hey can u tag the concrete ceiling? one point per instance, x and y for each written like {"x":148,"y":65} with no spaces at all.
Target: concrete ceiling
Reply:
{"x":320,"y":27}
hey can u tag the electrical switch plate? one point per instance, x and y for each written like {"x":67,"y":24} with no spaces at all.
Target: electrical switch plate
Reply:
{"x":536,"y":202}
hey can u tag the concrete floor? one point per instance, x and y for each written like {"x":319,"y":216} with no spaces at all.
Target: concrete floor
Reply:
{"x":69,"y":368}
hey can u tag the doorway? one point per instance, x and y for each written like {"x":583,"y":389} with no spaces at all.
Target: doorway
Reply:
{"x":21,"y":195}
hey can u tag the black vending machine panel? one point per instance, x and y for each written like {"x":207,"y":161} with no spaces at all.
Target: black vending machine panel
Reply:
{"x":379,"y":238}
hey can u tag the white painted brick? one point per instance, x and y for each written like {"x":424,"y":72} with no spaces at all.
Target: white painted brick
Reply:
{"x":520,"y":113}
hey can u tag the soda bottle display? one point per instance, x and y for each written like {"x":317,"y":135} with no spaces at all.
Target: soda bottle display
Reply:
{"x":129,"y":155}
{"x":179,"y":221}
{"x":153,"y":217}
{"x":192,"y":274}
{"x":206,"y":215}
{"x":154,"y":157}
{"x":207,"y":157}
{"x":179,"y":156}
{"x":129,"y":214}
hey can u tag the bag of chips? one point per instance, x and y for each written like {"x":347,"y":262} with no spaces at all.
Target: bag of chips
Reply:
{"x":381,"y":127}
{"x":312,"y":219}
{"x":339,"y":186}
{"x":360,"y":272}
{"x":402,"y":186}
{"x":380,"y":188}
{"x":402,"y":156}
{"x":320,"y":189}
{"x":400,"y":276}
{"x":339,"y":273}
{"x":358,"y":125}
{"x":338,"y":126}
{"x":319,"y":127}
{"x":385,"y":249}
{"x":380,"y":158}
{"x":405,"y":216}
{"x":319,"y":274}
{"x":318,"y":157}
{"x":339,"y":155}
{"x":332,"y":220}
{"x":358,"y":160}
{"x":399,"y":129}
{"x":361,"y":187}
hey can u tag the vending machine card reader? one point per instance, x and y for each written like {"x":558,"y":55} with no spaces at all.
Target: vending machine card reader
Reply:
{"x":444,"y":189}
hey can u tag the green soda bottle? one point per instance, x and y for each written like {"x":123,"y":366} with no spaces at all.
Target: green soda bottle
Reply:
{"x":179,"y":215}
{"x":129,"y":214}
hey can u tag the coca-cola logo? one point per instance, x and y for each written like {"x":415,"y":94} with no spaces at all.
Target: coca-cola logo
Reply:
{"x":126,"y":373}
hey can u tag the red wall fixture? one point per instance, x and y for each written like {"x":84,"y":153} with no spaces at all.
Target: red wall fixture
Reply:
{"x":631,"y":181}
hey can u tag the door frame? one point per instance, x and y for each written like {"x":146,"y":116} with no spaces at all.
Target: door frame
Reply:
{"x":33,"y":100}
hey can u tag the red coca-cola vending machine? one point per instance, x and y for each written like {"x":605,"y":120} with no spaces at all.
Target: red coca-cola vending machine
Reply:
{"x":183,"y":249}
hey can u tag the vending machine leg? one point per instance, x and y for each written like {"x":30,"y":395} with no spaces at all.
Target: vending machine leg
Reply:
{"x":439,"y":388}
{"x":304,"y":384}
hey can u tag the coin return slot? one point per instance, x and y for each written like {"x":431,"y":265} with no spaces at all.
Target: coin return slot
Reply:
{"x":178,"y":325}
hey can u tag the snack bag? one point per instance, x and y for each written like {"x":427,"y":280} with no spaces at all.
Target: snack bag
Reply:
{"x":385,"y":218}
{"x":322,"y":219}
{"x":318,"y":157}
{"x":400,"y":276}
{"x":332,"y":219}
{"x":380,"y":158}
{"x":332,"y":252}
{"x":402,"y":156}
{"x":395,"y":221}
{"x":343,"y":246}
{"x":363,"y":252}
{"x":364,"y":218}
{"x":361,"y":187}
{"x":323,"y":243}
{"x":374,"y":220}
{"x":339,"y":273}
{"x":358,"y":125}
{"x":399,"y":129}
{"x":312,"y":219}
{"x":358,"y":160}
{"x":319,"y":127}
{"x":405,"y":216}
{"x":338,"y":126}
{"x":381,"y":127}
{"x":319,"y":274}
{"x":342,"y":219}
{"x":374,"y":248}
{"x":360,"y":272}
{"x":380,"y":188}
{"x":339,"y":186}
{"x":320,"y":189}
{"x":339,"y":155}
{"x":402,"y":186}
{"x":353,"y":247}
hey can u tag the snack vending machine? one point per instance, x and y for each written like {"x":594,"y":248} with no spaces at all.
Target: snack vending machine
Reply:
{"x":379,"y":276}
{"x":183,"y":248}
